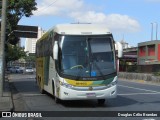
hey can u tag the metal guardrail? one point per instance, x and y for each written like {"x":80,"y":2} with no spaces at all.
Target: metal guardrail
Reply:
{"x":139,"y":76}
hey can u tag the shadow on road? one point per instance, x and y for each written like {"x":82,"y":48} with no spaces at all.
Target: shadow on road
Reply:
{"x":110,"y":103}
{"x":31,"y":87}
{"x":28,"y":86}
{"x":25,"y":86}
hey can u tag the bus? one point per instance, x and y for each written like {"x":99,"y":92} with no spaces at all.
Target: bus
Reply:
{"x":77,"y":62}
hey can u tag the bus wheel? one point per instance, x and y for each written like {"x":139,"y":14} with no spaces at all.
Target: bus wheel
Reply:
{"x":56,"y":99}
{"x":40,"y":88}
{"x":101,"y":101}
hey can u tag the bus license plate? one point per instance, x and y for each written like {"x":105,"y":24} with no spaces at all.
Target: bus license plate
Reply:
{"x":90,"y":95}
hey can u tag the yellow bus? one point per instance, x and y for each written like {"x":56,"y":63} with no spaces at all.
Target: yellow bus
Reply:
{"x":77,"y":62}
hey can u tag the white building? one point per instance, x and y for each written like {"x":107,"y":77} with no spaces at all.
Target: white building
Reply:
{"x":125,"y":45}
{"x":30,"y":43}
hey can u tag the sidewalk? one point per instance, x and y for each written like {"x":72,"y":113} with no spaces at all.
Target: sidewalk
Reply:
{"x":6,"y":101}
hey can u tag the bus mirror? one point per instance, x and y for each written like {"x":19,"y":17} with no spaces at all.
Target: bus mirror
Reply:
{"x":120,"y":49}
{"x":55,"y":50}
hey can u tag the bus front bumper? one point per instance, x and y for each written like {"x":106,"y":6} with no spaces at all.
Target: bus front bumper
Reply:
{"x":72,"y":94}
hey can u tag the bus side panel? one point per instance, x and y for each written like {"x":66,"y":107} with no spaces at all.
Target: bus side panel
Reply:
{"x":51,"y":76}
{"x":46,"y":70}
{"x":39,"y":72}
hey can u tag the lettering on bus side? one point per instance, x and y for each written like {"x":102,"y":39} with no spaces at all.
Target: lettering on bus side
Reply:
{"x":89,"y":78}
{"x":81,"y":83}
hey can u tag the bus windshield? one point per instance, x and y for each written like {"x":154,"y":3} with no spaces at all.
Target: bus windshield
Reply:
{"x":87,"y":56}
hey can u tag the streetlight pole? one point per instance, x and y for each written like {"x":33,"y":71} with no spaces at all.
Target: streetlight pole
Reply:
{"x":156,"y":30}
{"x":151,"y":31}
{"x":2,"y":41}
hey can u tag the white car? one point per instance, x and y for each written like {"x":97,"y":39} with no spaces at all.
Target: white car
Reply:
{"x":29,"y":70}
{"x":16,"y":69}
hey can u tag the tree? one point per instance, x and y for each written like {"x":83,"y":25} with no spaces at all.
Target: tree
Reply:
{"x":15,"y":11}
{"x":14,"y":53}
{"x":30,"y":60}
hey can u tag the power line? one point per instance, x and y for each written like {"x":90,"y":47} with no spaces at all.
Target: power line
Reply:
{"x":47,"y":6}
{"x":43,"y":8}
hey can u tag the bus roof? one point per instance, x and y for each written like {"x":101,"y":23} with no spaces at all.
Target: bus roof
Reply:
{"x":81,"y":29}
{"x":78,"y":29}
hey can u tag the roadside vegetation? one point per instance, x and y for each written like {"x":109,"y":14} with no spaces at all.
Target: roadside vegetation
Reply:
{"x":16,"y":10}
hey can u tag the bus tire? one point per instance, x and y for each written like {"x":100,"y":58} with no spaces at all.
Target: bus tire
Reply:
{"x":101,"y":101}
{"x":55,"y":98}
{"x":40,"y":88}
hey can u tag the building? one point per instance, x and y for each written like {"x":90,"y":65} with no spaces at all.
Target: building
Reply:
{"x":129,"y":56}
{"x":149,"y":53}
{"x":30,"y":43}
{"x":125,"y":45}
{"x":149,"y":56}
{"x":129,"y":60}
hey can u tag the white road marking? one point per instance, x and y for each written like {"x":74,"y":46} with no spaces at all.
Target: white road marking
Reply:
{"x":139,"y":89}
{"x":33,"y":95}
{"x":127,"y":94}
{"x":144,"y":82}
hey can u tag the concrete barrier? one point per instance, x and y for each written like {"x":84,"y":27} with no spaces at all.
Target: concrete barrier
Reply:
{"x":139,"y":76}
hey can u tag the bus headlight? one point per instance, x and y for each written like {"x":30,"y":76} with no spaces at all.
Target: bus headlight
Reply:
{"x":114,"y":82}
{"x":65,"y":85}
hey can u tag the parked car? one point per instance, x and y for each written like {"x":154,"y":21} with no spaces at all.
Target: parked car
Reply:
{"x":8,"y":68}
{"x":29,"y":70}
{"x":16,"y":69}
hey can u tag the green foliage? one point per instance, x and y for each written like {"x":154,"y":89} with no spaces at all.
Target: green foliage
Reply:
{"x":16,"y":9}
{"x":131,"y":68}
{"x":13,"y":39}
{"x":19,"y":8}
{"x":30,"y":58}
{"x":156,"y":73}
{"x":14,"y":52}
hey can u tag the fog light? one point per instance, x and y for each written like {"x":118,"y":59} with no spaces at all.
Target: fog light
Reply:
{"x":112,"y":92}
{"x":65,"y":93}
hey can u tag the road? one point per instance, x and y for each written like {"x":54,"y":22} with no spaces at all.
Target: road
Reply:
{"x":131,"y":97}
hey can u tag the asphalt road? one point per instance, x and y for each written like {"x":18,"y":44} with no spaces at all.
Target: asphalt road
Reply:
{"x":131,"y":97}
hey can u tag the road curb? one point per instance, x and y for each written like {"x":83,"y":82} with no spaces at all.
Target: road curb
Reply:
{"x":6,"y":102}
{"x":139,"y":77}
{"x":139,"y":81}
{"x":19,"y":103}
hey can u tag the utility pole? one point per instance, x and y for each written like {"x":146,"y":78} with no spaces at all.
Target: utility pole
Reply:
{"x":156,"y":30}
{"x":2,"y":41}
{"x":151,"y":31}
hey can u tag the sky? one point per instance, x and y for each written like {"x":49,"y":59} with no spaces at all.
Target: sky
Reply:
{"x":126,"y":19}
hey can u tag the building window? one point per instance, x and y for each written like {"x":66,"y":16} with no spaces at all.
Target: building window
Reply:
{"x":151,"y":50}
{"x":142,"y":51}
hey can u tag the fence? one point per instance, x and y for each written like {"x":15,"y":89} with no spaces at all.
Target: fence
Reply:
{"x":139,"y":76}
{"x":140,"y":68}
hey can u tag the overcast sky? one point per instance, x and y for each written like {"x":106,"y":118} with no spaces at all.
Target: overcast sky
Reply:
{"x":128,"y":19}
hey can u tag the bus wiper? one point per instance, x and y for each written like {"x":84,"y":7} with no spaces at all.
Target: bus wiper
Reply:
{"x":79,"y":74}
{"x":99,"y":70}
{"x":92,"y":60}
